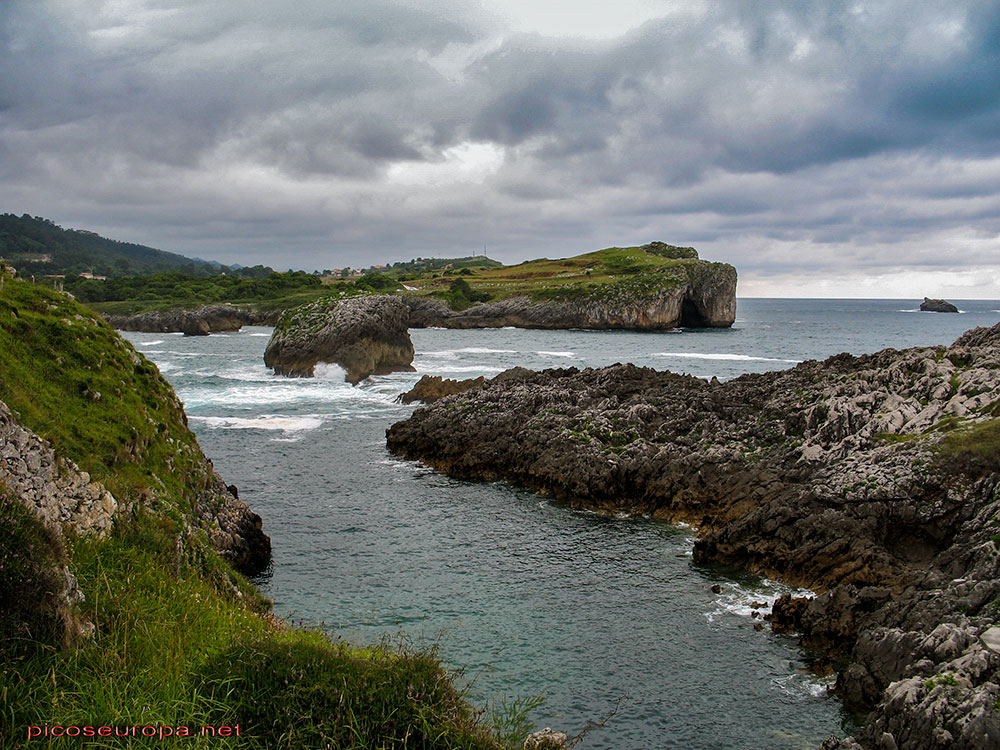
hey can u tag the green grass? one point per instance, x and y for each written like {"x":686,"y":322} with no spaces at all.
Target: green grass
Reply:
{"x":168,"y":635}
{"x":974,"y":449}
{"x":73,"y":380}
{"x":174,"y":647}
{"x":615,"y":273}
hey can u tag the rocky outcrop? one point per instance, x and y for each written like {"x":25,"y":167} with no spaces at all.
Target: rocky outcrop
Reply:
{"x":430,"y":388}
{"x":199,"y":322}
{"x":697,"y":295}
{"x":54,"y":489}
{"x":364,"y":335}
{"x":236,"y":532}
{"x":873,"y":480}
{"x":937,"y":305}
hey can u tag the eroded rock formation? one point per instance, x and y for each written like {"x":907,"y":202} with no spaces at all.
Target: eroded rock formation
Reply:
{"x":700,"y":295}
{"x":364,"y":335}
{"x":873,"y":480}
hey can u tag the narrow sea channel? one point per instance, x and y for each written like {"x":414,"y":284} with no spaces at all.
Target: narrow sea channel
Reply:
{"x":524,"y":595}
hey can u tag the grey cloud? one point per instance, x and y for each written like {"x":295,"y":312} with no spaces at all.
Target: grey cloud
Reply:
{"x":210,"y":125}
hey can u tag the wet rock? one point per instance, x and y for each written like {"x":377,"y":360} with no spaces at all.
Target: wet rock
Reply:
{"x":430,"y":388}
{"x":198,"y":322}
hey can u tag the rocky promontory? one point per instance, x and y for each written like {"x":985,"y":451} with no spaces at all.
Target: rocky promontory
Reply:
{"x":199,"y":322}
{"x":872,"y":480}
{"x":937,"y":305}
{"x":364,"y":335}
{"x":688,"y":293}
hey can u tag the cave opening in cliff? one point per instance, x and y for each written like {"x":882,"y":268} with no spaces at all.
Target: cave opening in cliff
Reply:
{"x":691,"y":316}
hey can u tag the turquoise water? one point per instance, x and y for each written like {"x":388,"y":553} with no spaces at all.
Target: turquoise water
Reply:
{"x":524,"y":595}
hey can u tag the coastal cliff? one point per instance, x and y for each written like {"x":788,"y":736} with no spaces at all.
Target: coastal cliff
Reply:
{"x":364,"y":335}
{"x":198,"y":322}
{"x":89,"y":429}
{"x":123,"y":610}
{"x":652,"y":287}
{"x":872,"y":480}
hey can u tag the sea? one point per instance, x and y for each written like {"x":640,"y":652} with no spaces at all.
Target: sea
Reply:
{"x":606,"y":619}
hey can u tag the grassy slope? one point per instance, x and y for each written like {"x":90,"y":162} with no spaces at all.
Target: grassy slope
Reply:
{"x":178,"y":637}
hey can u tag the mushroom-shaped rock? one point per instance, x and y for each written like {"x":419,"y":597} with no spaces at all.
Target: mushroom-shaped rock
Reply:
{"x":364,"y":335}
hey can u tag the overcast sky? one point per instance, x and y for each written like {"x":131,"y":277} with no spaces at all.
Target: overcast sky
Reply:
{"x":824,"y":149}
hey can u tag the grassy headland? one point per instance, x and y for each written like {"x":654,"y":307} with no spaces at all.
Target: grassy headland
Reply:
{"x":168,"y":635}
{"x":616,"y":273}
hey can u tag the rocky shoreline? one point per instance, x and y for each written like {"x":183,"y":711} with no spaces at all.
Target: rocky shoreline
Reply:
{"x":198,"y":322}
{"x":872,"y":480}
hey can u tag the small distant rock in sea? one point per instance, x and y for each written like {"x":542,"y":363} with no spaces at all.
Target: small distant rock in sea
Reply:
{"x":937,"y":305}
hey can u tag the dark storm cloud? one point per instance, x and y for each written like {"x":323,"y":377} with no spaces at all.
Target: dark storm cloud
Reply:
{"x":344,"y":128}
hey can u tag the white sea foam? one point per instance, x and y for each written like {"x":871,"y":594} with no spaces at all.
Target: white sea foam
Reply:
{"x":738,"y":600}
{"x":802,"y":685}
{"x":558,"y":354}
{"x":421,"y":367}
{"x":258,"y":334}
{"x":264,"y":422}
{"x":722,"y":356}
{"x":329,"y":371}
{"x":150,"y":343}
{"x":253,"y":374}
{"x":484,"y":350}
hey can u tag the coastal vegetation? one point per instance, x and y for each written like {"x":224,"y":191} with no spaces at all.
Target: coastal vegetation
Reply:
{"x":39,"y":246}
{"x":123,"y":279}
{"x":146,"y":625}
{"x":599,"y":275}
{"x":137,"y":294}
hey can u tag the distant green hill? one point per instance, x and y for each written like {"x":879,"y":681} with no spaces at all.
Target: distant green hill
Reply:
{"x":39,"y":246}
